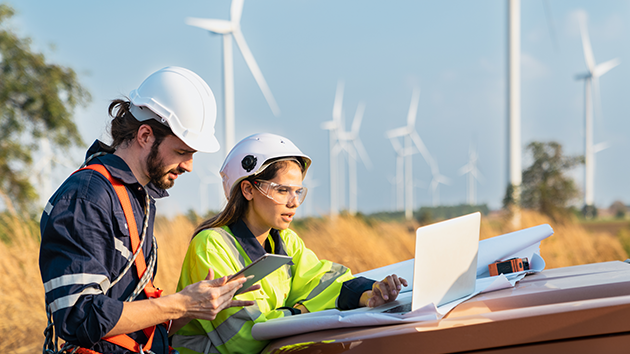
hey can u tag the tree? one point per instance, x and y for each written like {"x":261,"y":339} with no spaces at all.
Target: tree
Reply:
{"x":618,"y":209}
{"x":545,"y":186}
{"x":37,"y":99}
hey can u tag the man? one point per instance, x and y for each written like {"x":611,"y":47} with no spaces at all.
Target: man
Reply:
{"x":98,"y":254}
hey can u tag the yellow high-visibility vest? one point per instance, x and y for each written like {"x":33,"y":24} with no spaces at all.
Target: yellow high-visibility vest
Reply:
{"x":309,"y":281}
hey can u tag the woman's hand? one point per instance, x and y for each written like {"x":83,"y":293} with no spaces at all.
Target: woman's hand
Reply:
{"x":302,"y":308}
{"x":383,"y":291}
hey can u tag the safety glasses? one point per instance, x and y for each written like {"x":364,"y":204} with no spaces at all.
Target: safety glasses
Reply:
{"x":280,"y":193}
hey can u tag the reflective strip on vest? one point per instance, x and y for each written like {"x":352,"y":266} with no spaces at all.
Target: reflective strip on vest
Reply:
{"x":230,"y":242}
{"x":230,"y":327}
{"x":336,"y":270}
{"x":198,"y":343}
{"x":221,"y":334}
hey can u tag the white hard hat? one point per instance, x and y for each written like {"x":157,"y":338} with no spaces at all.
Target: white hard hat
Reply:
{"x":180,"y":99}
{"x":253,"y":154}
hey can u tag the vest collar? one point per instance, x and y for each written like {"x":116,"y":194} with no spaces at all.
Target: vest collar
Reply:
{"x":250,"y":244}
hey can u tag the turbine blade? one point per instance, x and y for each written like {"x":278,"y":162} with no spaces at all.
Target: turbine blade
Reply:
{"x":444,"y":180}
{"x":236,"y":10}
{"x":336,"y":149}
{"x":396,"y":145}
{"x":390,"y":134}
{"x":329,"y":125}
{"x":478,"y":176}
{"x":362,"y":153}
{"x":253,"y":67}
{"x":550,"y":25}
{"x":413,"y":108}
{"x":337,"y":106}
{"x":603,"y":68}
{"x":358,"y":117}
{"x":586,"y":46}
{"x":465,"y":169}
{"x":212,"y":25}
{"x":350,"y":150}
{"x":423,"y":150}
{"x":601,"y":146}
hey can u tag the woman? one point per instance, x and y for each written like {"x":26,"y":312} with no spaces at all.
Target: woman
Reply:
{"x":262,"y":179}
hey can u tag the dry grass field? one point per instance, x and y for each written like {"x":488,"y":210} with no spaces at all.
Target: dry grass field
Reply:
{"x":351,"y":241}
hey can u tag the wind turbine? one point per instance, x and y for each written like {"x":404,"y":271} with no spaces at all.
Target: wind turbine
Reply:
{"x":399,"y":180}
{"x":410,"y":136}
{"x":473,"y":176}
{"x":514,"y":168}
{"x":437,"y":177}
{"x":306,"y":208}
{"x":400,"y":170}
{"x":352,"y":145}
{"x":207,"y":176}
{"x":405,"y":133}
{"x":229,"y":29}
{"x":591,"y":78}
{"x":333,"y":126}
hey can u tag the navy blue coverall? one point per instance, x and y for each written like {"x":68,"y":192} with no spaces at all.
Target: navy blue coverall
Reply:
{"x":85,"y":246}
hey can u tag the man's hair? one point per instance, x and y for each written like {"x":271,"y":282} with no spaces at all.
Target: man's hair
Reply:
{"x":124,"y":126}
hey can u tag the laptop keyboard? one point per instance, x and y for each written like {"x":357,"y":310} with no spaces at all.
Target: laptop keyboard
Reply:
{"x":403,"y":308}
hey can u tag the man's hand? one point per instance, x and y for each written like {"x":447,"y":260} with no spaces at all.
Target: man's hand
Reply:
{"x":205,"y":299}
{"x":383,"y":291}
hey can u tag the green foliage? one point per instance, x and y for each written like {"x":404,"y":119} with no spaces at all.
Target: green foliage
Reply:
{"x":624,"y":238}
{"x":427,"y":215}
{"x":36,"y":100}
{"x":620,"y":214}
{"x":388,"y":216}
{"x":546,"y":188}
{"x":619,"y":209}
{"x":12,"y":227}
{"x":509,"y":199}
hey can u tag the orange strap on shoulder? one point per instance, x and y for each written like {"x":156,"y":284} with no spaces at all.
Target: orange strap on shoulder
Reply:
{"x":124,"y":340}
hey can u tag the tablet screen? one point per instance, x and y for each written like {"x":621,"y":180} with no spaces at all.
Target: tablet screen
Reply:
{"x":260,"y":268}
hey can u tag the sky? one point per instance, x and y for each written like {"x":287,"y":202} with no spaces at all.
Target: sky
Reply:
{"x":454,"y":52}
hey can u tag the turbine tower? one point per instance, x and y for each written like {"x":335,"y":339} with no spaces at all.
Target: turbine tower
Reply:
{"x":514,"y":172}
{"x":591,"y":88}
{"x":333,"y":126}
{"x":399,"y":181}
{"x":229,"y":29}
{"x":353,"y":147}
{"x":473,"y":177}
{"x":207,"y":176}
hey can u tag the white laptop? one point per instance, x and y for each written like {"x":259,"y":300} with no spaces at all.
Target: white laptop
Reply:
{"x":445,"y":264}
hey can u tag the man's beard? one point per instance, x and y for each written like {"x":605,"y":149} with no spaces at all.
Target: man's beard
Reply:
{"x":158,"y":174}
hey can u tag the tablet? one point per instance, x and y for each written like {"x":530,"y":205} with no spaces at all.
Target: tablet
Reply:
{"x":260,"y":268}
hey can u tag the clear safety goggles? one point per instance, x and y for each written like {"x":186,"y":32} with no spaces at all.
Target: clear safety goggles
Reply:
{"x":281,"y":193}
